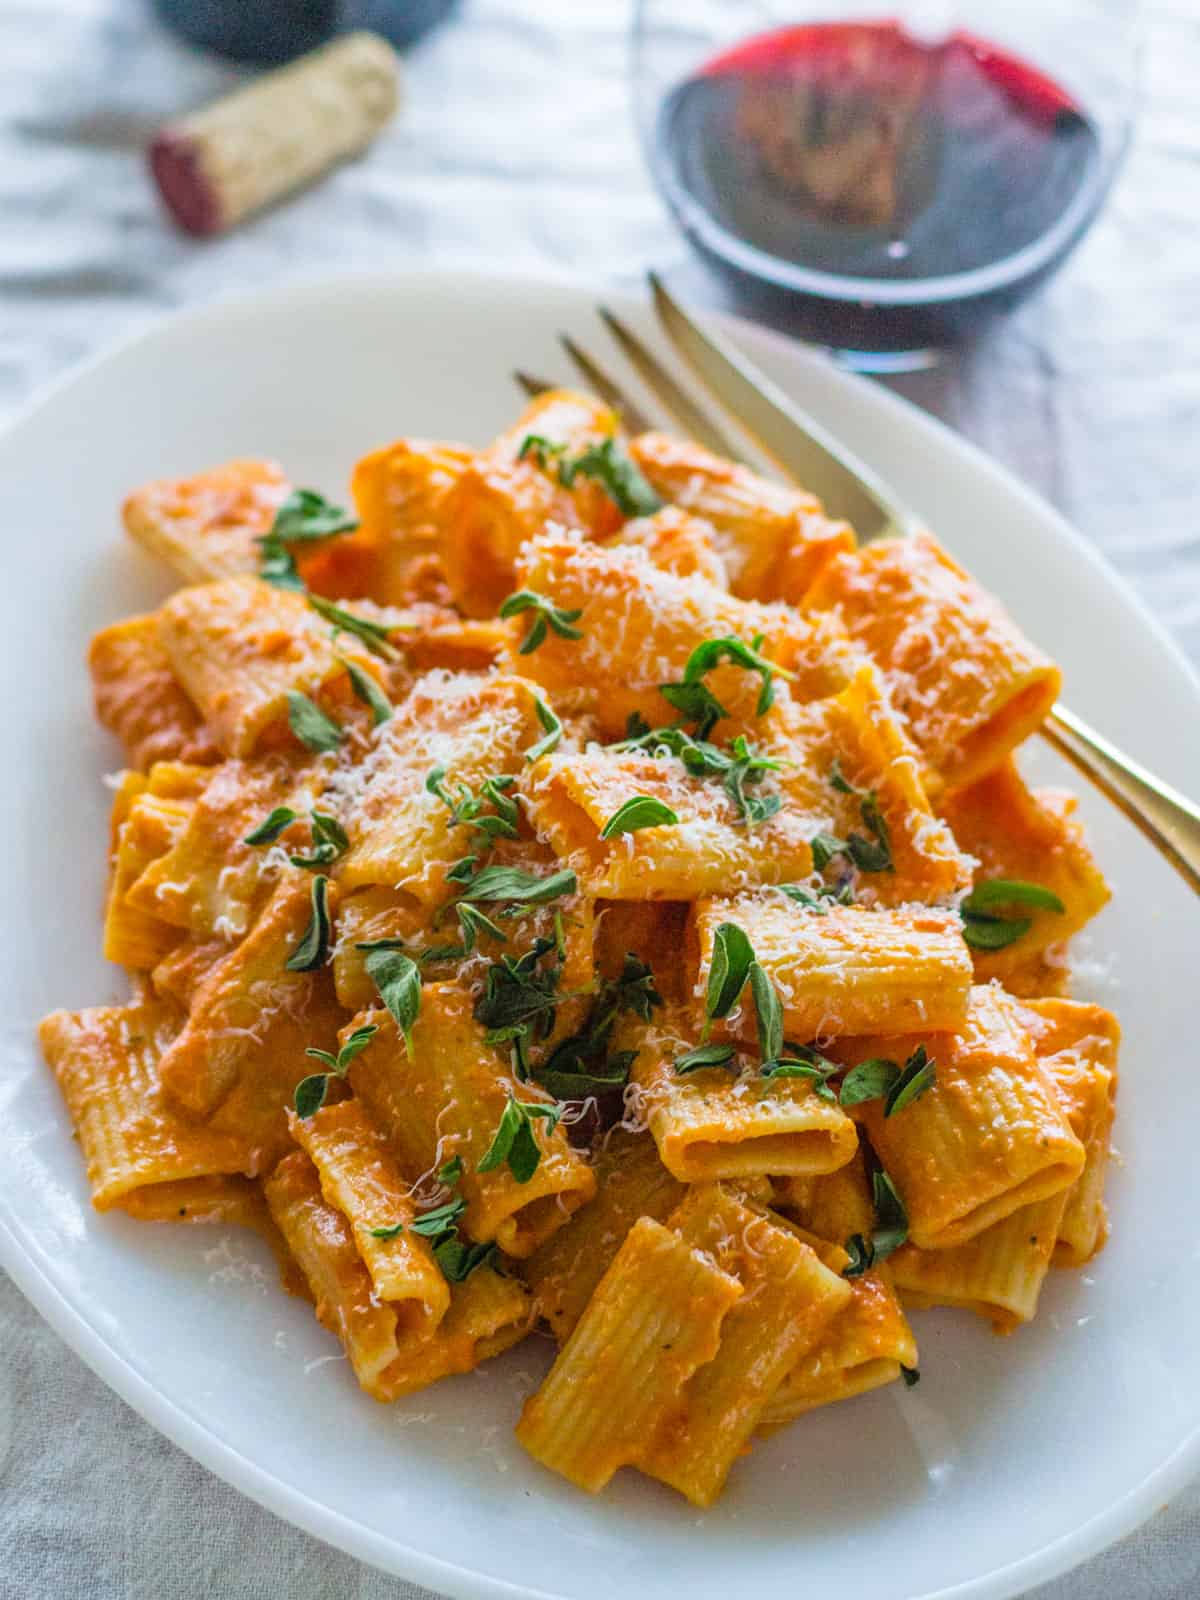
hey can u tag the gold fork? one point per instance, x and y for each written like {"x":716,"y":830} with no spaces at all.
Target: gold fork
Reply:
{"x":800,"y":448}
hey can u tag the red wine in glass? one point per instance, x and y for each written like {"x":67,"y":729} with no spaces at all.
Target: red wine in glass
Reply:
{"x":903,"y":191}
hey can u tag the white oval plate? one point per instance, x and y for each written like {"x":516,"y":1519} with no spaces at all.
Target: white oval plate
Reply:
{"x":1012,"y":1461}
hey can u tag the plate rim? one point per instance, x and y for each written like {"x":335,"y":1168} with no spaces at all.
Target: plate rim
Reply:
{"x":197,"y":1438}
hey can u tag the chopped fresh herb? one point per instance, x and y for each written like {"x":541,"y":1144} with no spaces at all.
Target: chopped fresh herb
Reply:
{"x":993,"y":933}
{"x":545,"y":615}
{"x":617,"y":473}
{"x":329,"y":841}
{"x":311,"y":1092}
{"x":640,"y":811}
{"x":911,"y":1376}
{"x":768,"y":1013}
{"x":398,"y":980}
{"x":917,"y":1076}
{"x":1012,"y":891}
{"x":869,"y":1080}
{"x":519,"y":1000}
{"x":458,"y":1260}
{"x":513,"y":883}
{"x":354,"y":1046}
{"x":736,"y":768}
{"x":553,"y":727}
{"x":304,"y":518}
{"x":634,"y":991}
{"x":636,"y":727}
{"x":310,"y":724}
{"x":515,"y":1142}
{"x":881,"y":1079}
{"x":610,"y":465}
{"x":870,"y":852}
{"x":569,"y":1072}
{"x":463,"y":870}
{"x":313,"y":949}
{"x":473,"y":923}
{"x":450,"y":1172}
{"x":704,"y":1055}
{"x":540,"y":448}
{"x":890,"y":1214}
{"x":732,"y":958}
{"x":890,"y":1232}
{"x":802,"y":1061}
{"x":455,"y":1259}
{"x":696,"y":703}
{"x":368,"y":691}
{"x":269,"y":830}
{"x":861,"y":1256}
{"x":709,"y":655}
{"x":373,"y":634}
{"x":432,"y":1223}
{"x":987,"y":929}
{"x":277,"y":566}
{"x":821,"y":899}
{"x":584,"y":1065}
{"x":468,"y":807}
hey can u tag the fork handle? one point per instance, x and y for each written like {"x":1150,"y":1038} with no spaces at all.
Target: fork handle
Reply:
{"x":1168,"y":819}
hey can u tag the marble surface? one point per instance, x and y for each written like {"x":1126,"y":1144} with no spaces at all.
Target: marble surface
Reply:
{"x":515,"y":147}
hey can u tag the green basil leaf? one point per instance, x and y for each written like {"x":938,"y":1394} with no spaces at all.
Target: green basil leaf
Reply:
{"x":697,"y":703}
{"x":310,"y":1093}
{"x":497,"y":1152}
{"x":306,"y":516}
{"x":982,"y":931}
{"x":1011,"y":892}
{"x":389,"y":1232}
{"x":473,"y":923}
{"x":617,"y":473}
{"x":703,"y":1056}
{"x":540,"y":449}
{"x":375,"y":635}
{"x":641,"y":811}
{"x":440,"y":1220}
{"x":768,"y":1013}
{"x":732,"y":958}
{"x":917,"y":1077}
{"x":355,"y":1044}
{"x":450,"y":1172}
{"x":458,"y":1260}
{"x":824,"y":847}
{"x":553,"y":727}
{"x":368,"y":691}
{"x":313,"y":949}
{"x":513,"y":883}
{"x":870,"y":1080}
{"x":269,"y":830}
{"x":862,"y":1256}
{"x":398,"y":980}
{"x":515,"y":1140}
{"x":310,"y":724}
{"x":891,"y":1217}
{"x":546,"y":615}
{"x":524,"y":1154}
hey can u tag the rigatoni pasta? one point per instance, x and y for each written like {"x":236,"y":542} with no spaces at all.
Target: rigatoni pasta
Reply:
{"x":577,"y":886}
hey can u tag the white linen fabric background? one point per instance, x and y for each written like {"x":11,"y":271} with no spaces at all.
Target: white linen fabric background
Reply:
{"x":515,"y":148}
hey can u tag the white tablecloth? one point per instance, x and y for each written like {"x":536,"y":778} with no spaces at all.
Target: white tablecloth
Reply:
{"x":515,"y":148}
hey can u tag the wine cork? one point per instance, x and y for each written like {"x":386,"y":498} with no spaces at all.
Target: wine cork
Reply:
{"x":220,"y":164}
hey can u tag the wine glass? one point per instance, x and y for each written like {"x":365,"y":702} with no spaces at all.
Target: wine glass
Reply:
{"x":902,"y":180}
